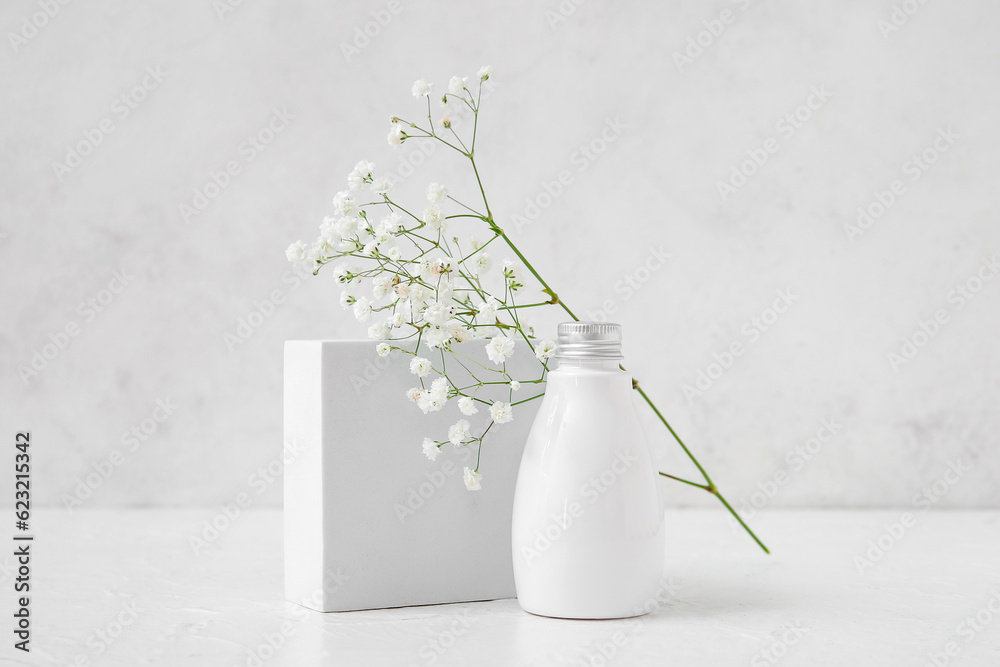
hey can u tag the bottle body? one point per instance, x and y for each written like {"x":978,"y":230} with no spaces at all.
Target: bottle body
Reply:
{"x":587,"y":536}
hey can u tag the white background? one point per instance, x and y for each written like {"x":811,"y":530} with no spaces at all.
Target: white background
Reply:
{"x":559,"y":82}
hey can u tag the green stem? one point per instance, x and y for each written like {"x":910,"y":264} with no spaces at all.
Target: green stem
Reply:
{"x":709,"y":484}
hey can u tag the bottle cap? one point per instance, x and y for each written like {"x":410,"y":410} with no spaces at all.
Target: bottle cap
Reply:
{"x":589,"y":340}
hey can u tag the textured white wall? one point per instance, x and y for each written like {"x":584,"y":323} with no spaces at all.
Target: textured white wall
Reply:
{"x":561,"y":79}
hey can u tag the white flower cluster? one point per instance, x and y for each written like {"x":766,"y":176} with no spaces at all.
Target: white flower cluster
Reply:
{"x":406,"y":274}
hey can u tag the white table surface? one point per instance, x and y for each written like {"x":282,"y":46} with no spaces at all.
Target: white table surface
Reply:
{"x":729,"y":602}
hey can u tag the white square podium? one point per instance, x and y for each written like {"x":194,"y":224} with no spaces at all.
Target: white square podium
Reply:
{"x":370,"y":522}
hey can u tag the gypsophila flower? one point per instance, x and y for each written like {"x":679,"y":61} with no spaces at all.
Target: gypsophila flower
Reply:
{"x":378,"y":331}
{"x":414,"y":394}
{"x":433,"y":399}
{"x":458,"y":331}
{"x":397,"y":320}
{"x":363,"y":309}
{"x":445,"y":122}
{"x":514,"y":385}
{"x":457,"y":85}
{"x":370,"y":249}
{"x":342,"y":273}
{"x":381,"y":185}
{"x":394,"y":254}
{"x":346,"y":300}
{"x":436,"y":193}
{"x":500,"y":349}
{"x":467,"y":405}
{"x":438,"y":313}
{"x":434,"y":217}
{"x":501,"y":412}
{"x":344,"y":204}
{"x":381,"y":284}
{"x":362,"y":172}
{"x":458,"y":432}
{"x":420,"y":366}
{"x":421,"y":88}
{"x":512,"y":273}
{"x":431,"y":449}
{"x":392,"y":223}
{"x":485,"y":72}
{"x":383,"y":349}
{"x":347,"y":226}
{"x":472,"y":479}
{"x":396,"y":135}
{"x":418,"y":293}
{"x":297,"y":252}
{"x":488,"y":310}
{"x":481,"y":263}
{"x":545,"y":349}
{"x":436,"y":336}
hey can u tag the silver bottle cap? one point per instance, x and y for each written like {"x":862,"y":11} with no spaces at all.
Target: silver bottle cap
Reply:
{"x":589,"y":340}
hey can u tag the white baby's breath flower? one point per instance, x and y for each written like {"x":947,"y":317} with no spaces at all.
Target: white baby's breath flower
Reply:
{"x":433,"y":399}
{"x":431,"y":449}
{"x":396,"y":135}
{"x":394,"y":254}
{"x":457,"y":85}
{"x":421,"y":88}
{"x":420,"y":366}
{"x":362,"y":171}
{"x":514,"y":385}
{"x":458,"y":432}
{"x":418,"y":293}
{"x":297,"y":252}
{"x":434,"y":217}
{"x":381,"y":284}
{"x":472,"y":479}
{"x":485,"y":72}
{"x":346,"y":300}
{"x":397,"y":320}
{"x":488,"y":310}
{"x":344,"y":204}
{"x":429,"y":402}
{"x":438,"y":313}
{"x":383,"y":349}
{"x":347,"y":225}
{"x":467,"y":405}
{"x":436,"y":193}
{"x":414,"y":394}
{"x":445,"y":289}
{"x":436,"y":336}
{"x":458,"y":331}
{"x":370,"y":249}
{"x":499,"y":349}
{"x":392,"y":223}
{"x":440,"y":387}
{"x":363,"y":309}
{"x":545,"y":349}
{"x":381,"y":185}
{"x":342,"y":273}
{"x":501,"y":412}
{"x":444,"y":122}
{"x":512,"y":273}
{"x":481,"y":263}
{"x":378,"y":331}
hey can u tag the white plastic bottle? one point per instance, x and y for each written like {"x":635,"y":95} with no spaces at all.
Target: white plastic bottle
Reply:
{"x":588,"y":537}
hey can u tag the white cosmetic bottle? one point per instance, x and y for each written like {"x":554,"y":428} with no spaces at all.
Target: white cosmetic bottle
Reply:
{"x":587,"y":537}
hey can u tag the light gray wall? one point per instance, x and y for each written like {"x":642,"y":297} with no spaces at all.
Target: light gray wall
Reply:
{"x":561,"y":78}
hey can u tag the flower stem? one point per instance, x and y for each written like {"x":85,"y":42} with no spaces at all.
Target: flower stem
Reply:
{"x":709,"y":484}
